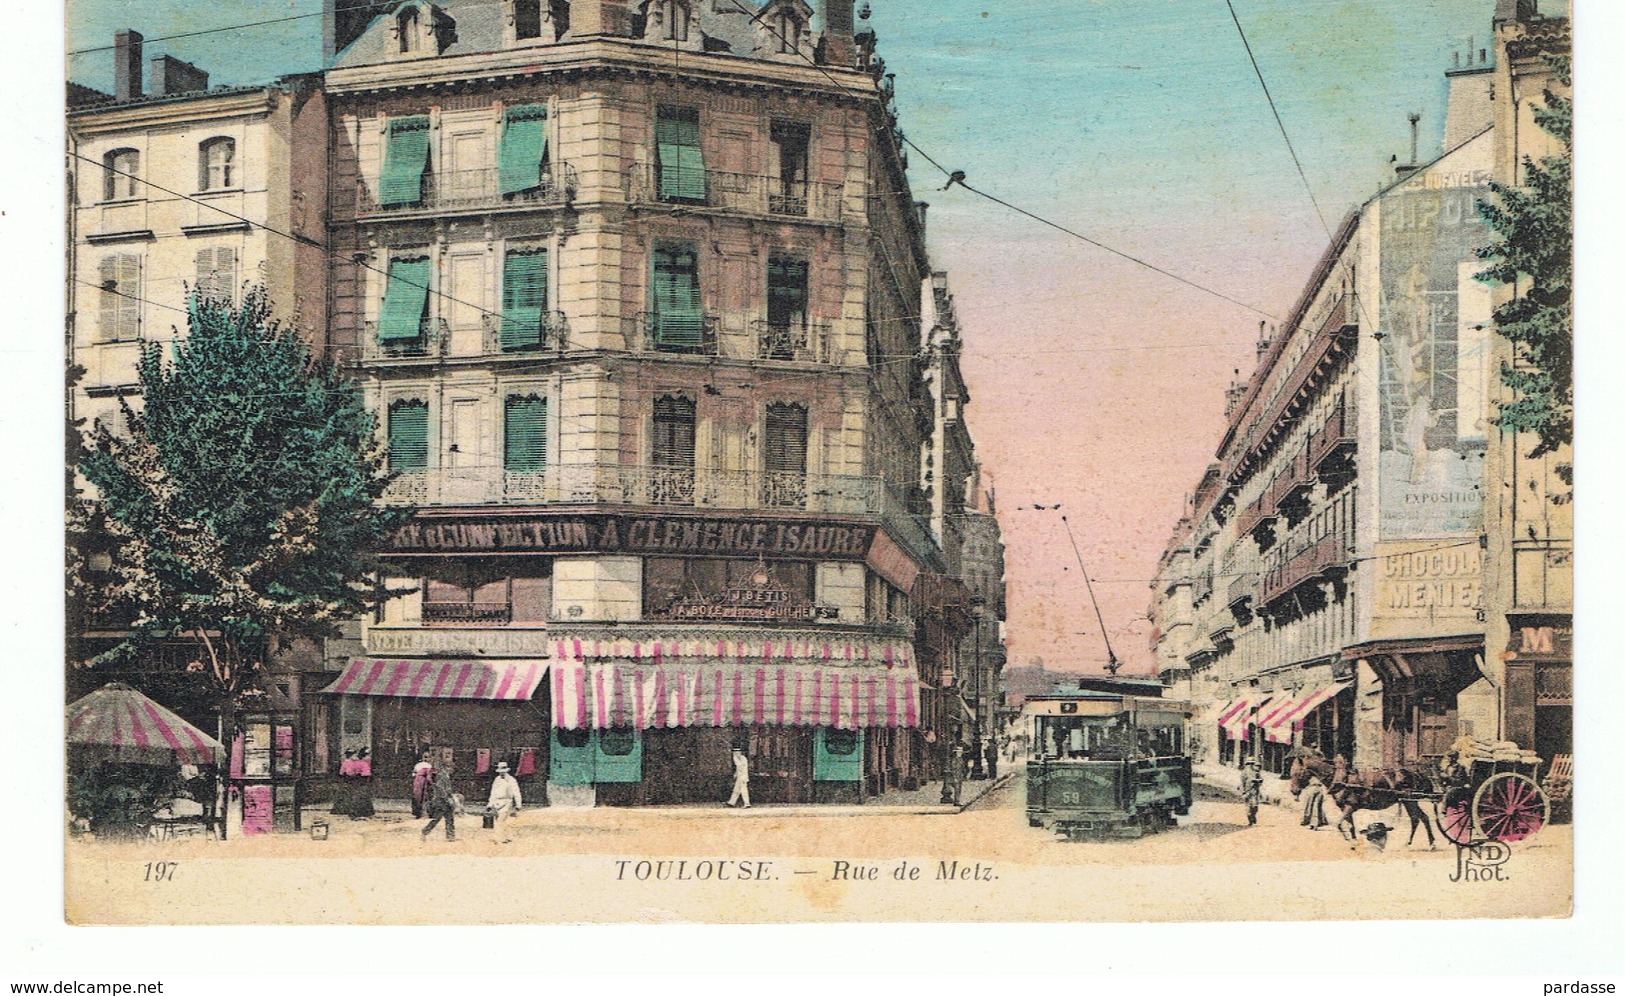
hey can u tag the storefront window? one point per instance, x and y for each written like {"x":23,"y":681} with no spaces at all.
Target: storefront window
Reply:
{"x":841,"y":742}
{"x":616,"y":742}
{"x":574,"y":739}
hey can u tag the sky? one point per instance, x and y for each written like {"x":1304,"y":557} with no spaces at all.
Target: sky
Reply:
{"x":1097,"y":384}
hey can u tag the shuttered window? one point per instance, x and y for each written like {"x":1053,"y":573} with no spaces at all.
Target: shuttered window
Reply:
{"x":524,"y":445}
{"x":524,"y":299}
{"x":786,"y":292}
{"x":679,"y":314}
{"x":677,"y":151}
{"x":216,"y":275}
{"x":406,"y":296}
{"x":406,"y":155}
{"x":408,"y":436}
{"x":120,"y":279}
{"x":674,"y":432}
{"x":522,"y":149}
{"x":786,"y":431}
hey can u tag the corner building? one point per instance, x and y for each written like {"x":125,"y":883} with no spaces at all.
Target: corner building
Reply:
{"x":634,"y":288}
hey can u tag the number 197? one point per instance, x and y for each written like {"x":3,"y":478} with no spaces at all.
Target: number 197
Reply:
{"x":161,"y":871}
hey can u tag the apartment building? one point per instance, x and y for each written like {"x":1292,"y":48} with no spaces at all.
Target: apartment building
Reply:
{"x":634,"y":289}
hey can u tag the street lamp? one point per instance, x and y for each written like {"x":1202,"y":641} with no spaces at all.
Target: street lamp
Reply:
{"x":945,"y":684}
{"x":976,"y":612}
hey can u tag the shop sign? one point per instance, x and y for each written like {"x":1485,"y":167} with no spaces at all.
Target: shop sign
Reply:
{"x":417,"y":641}
{"x":1554,"y":642}
{"x":1428,"y":582}
{"x":668,"y":535}
{"x":753,"y":604}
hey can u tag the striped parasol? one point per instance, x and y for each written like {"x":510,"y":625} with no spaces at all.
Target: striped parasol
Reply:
{"x":127,"y":726}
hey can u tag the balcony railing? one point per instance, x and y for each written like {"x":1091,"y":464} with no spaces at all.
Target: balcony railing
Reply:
{"x":745,"y":192}
{"x":551,"y":336}
{"x":656,"y":335}
{"x":609,"y":484}
{"x":1326,"y":555}
{"x":802,"y":343}
{"x":469,"y":189}
{"x":1334,"y":438}
{"x":462,"y":613}
{"x":433,"y":334}
{"x":1240,"y":590}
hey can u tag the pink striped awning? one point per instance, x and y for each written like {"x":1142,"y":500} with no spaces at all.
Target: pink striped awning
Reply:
{"x":653,"y":650}
{"x":124,"y":725}
{"x":716,"y":693}
{"x":493,"y":680}
{"x":1289,"y":716}
{"x":1233,"y":718}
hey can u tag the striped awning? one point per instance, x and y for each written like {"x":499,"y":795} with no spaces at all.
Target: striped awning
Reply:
{"x":124,"y":725}
{"x":656,"y":650}
{"x":1288,"y":716}
{"x":1233,"y":718}
{"x":720,"y":693}
{"x":417,"y":678}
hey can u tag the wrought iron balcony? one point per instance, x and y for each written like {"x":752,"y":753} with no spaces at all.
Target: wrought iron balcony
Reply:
{"x":465,"y":613}
{"x":663,"y":334}
{"x":433,"y":334}
{"x":466,"y":190}
{"x":747,"y":192}
{"x":801,"y":343}
{"x":551,"y":335}
{"x":1325,"y":556}
{"x":1335,"y":438}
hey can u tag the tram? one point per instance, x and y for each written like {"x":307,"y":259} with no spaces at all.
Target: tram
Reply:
{"x":1106,"y":765}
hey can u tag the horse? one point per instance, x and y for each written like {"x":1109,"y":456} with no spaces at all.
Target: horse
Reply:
{"x":1375,"y":790}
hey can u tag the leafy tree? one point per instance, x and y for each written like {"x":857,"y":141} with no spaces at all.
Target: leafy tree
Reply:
{"x":1535,"y":253}
{"x":239,"y":507}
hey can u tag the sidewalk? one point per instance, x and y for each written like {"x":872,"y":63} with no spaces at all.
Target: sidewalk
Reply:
{"x":923,"y":801}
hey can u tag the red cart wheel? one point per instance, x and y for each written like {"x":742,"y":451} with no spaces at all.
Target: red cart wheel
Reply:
{"x":1455,"y":816}
{"x":1510,"y":807}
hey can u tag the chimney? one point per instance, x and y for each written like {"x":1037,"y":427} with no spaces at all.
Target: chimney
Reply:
{"x":1507,"y":11}
{"x":343,"y":21}
{"x":920,"y":208}
{"x":600,"y":17}
{"x":171,"y":76}
{"x":838,"y":45}
{"x":1406,"y":169}
{"x":126,"y":64}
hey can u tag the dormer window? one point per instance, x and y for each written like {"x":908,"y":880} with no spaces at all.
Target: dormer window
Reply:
{"x":527,"y":19}
{"x":121,"y":167}
{"x":787,"y":30}
{"x":666,"y":20}
{"x":785,"y":23}
{"x":406,"y":28}
{"x":217,"y":164}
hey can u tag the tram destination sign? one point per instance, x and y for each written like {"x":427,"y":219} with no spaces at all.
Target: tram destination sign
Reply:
{"x":643,"y":534}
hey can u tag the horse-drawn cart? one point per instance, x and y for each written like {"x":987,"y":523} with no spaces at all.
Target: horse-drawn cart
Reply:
{"x":1492,"y":794}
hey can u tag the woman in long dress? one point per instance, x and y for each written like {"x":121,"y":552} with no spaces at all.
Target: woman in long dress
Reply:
{"x":344,"y":796}
{"x":361,"y":795}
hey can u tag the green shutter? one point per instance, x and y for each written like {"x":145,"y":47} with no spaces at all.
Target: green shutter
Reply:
{"x":569,"y":757}
{"x":845,"y":762}
{"x":617,"y":755}
{"x":524,"y":433}
{"x":406,"y":154}
{"x":408,"y":436}
{"x":522,"y":149}
{"x":405,"y":298}
{"x":682,"y":164}
{"x":524,"y":297}
{"x":786,"y":291}
{"x":679,"y":312}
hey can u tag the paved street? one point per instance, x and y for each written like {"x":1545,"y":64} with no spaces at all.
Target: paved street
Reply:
{"x":680,"y":864}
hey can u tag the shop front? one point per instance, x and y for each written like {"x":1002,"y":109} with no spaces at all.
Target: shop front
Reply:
{"x":466,"y":713}
{"x":1420,"y":681}
{"x":653,"y":719}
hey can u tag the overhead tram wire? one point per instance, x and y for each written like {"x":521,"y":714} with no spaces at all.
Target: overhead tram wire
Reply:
{"x":1112,"y":663}
{"x":1278,"y":122}
{"x":959,"y":180}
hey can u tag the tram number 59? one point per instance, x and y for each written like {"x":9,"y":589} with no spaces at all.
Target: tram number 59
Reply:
{"x":1071,"y":798}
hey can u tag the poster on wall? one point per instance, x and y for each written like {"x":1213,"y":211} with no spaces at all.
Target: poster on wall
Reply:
{"x":1433,"y":355}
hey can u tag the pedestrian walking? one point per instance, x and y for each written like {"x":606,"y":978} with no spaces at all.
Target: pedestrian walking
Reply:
{"x":954,"y":776}
{"x":505,"y":802}
{"x":741,"y":792}
{"x":422,"y":776}
{"x":344,"y":796}
{"x":442,"y":804}
{"x":361,"y":782}
{"x":1314,"y":804}
{"x":991,"y":755}
{"x":1252,"y":790}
